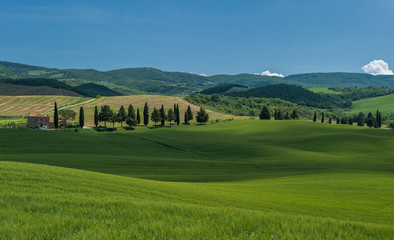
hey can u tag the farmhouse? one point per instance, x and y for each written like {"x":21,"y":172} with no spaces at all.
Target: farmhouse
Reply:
{"x":37,"y":120}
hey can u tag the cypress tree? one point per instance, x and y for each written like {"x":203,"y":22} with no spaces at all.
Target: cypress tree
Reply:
{"x":377,"y":119}
{"x":81,"y":117}
{"x":361,"y":123}
{"x":322,"y":117}
{"x":350,"y":121}
{"x":122,"y":115}
{"x":131,"y":112}
{"x":138,"y":117}
{"x":186,"y":118}
{"x":265,"y":114}
{"x":330,"y":121}
{"x":146,"y":114}
{"x":175,"y":114}
{"x":314,"y":117}
{"x":162,"y":116}
{"x":56,"y":117}
{"x":337,"y":120}
{"x":380,"y":119}
{"x":96,"y":121}
{"x":370,"y":120}
{"x":276,"y":114}
{"x":189,"y":113}
{"x":294,"y":114}
{"x":178,"y":115}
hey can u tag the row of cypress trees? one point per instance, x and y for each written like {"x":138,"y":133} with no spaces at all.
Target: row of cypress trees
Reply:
{"x":134,"y":119}
{"x":371,"y":121}
{"x":278,"y":115}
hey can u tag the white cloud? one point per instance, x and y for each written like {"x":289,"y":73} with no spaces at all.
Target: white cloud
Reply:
{"x":270,"y":74}
{"x":377,"y":67}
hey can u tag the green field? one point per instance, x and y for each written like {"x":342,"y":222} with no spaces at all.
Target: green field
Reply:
{"x":245,"y":179}
{"x":385,"y":104}
{"x":322,"y":90}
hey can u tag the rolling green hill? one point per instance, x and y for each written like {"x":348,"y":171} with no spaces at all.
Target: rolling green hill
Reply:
{"x":385,"y":104}
{"x":231,"y":180}
{"x":150,"y":80}
{"x":296,"y":95}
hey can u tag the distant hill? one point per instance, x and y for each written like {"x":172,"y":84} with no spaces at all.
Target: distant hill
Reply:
{"x":225,"y":88}
{"x":297,"y":95}
{"x":23,"y":90}
{"x":96,"y":89}
{"x":150,"y":80}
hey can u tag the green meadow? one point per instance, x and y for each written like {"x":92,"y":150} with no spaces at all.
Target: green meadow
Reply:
{"x":385,"y":104}
{"x":322,"y":90}
{"x":244,"y":179}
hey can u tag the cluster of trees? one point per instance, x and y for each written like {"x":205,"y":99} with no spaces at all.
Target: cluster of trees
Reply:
{"x":361,"y":119}
{"x":66,"y":115}
{"x":243,"y":106}
{"x":279,"y":114}
{"x":132,"y":118}
{"x":355,"y":93}
{"x":296,"y":95}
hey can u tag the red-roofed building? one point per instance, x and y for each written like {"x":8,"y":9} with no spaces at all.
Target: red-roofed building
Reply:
{"x":37,"y":120}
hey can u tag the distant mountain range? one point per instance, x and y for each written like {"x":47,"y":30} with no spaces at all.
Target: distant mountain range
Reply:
{"x":154,"y":81}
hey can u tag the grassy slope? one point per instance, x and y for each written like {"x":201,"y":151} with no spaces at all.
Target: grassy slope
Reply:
{"x":323,"y":90}
{"x":385,"y":104}
{"x":280,"y":179}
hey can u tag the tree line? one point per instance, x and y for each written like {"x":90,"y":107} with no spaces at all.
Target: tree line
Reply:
{"x":131,"y":116}
{"x":370,"y":120}
{"x":361,"y":118}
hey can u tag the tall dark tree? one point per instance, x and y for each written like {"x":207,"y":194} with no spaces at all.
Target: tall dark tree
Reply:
{"x":361,"y":122}
{"x":265,"y":113}
{"x":155,"y":116}
{"x":186,"y":118}
{"x":315,"y":117}
{"x":122,"y":115}
{"x":138,"y":116}
{"x":278,"y":114}
{"x":96,"y":116}
{"x":330,"y":120}
{"x":370,"y":120}
{"x":350,"y":121}
{"x":322,"y":117}
{"x":380,"y":120}
{"x":338,"y":120}
{"x":178,"y":115}
{"x":202,"y":116}
{"x":287,"y":116}
{"x":113,"y":119}
{"x":294,"y":114}
{"x":344,"y":120}
{"x":131,"y":112}
{"x":189,"y":113}
{"x":146,"y":114}
{"x":81,"y":117}
{"x":163,"y":116}
{"x":170,"y":116}
{"x":377,"y":119}
{"x":105,"y":114}
{"x":56,"y":117}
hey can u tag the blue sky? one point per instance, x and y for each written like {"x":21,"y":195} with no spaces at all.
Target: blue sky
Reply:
{"x":210,"y":37}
